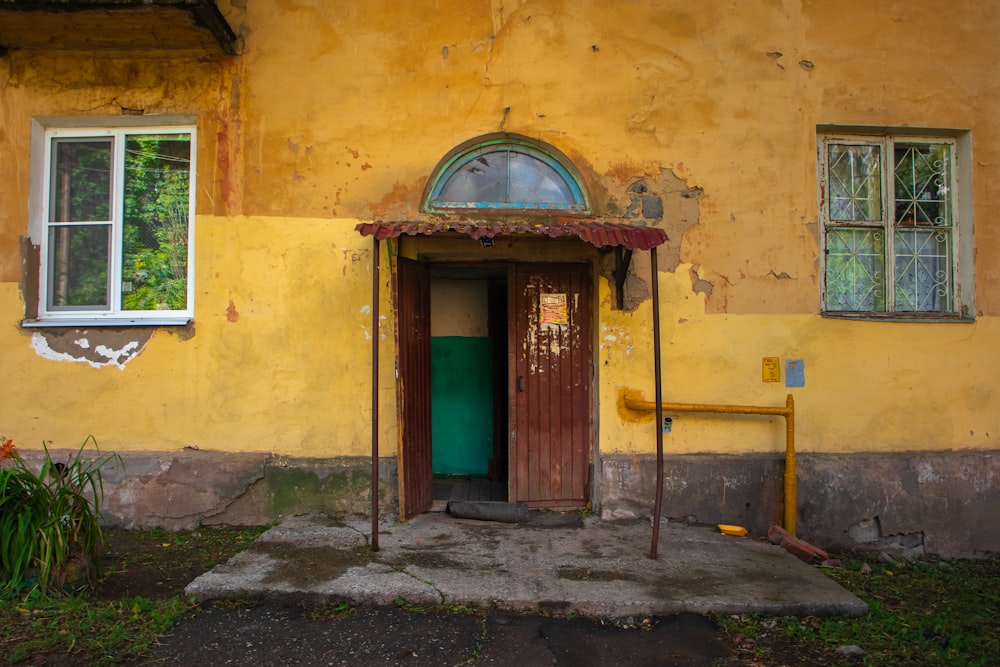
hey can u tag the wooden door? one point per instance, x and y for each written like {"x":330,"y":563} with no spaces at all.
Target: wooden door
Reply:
{"x":413,"y":386}
{"x":550,"y":385}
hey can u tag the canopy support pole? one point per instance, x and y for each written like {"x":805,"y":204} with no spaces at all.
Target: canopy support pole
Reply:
{"x":658,"y":505}
{"x":375,"y":344}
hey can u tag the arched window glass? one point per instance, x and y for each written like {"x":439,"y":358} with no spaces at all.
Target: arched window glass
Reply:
{"x":505,"y":174}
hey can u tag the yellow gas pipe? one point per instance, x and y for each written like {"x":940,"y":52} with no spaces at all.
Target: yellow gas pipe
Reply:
{"x":788,"y":412}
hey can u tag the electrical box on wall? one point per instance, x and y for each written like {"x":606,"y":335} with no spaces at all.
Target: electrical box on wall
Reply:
{"x":795,"y":373}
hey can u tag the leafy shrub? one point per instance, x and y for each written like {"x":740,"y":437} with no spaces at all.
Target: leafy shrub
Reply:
{"x":50,"y":538}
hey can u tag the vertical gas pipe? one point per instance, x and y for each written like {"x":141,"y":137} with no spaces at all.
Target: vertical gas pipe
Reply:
{"x":791,"y":493}
{"x":659,"y":402}
{"x":375,"y":342}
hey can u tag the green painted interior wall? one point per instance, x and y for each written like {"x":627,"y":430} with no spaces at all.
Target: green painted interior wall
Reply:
{"x":461,"y":405}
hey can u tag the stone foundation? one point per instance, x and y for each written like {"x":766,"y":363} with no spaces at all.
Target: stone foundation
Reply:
{"x":908,"y":504}
{"x":189,"y":488}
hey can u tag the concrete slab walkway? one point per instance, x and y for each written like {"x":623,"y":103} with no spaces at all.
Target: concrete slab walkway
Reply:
{"x":596,"y":569}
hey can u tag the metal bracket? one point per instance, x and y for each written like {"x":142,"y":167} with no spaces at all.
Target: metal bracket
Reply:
{"x":623,"y":258}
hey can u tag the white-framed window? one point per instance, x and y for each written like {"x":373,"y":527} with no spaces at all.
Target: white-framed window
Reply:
{"x":894,"y":230}
{"x":113,"y":218}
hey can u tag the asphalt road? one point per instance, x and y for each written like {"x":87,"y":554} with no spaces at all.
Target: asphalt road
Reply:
{"x":279,"y":635}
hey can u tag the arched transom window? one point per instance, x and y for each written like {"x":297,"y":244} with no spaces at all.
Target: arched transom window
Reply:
{"x":505,"y":172}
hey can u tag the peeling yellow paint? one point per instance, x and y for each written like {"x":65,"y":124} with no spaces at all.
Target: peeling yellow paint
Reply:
{"x":689,"y":101}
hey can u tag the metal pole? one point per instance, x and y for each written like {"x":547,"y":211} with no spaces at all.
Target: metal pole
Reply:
{"x":375,"y":344}
{"x":658,"y":506}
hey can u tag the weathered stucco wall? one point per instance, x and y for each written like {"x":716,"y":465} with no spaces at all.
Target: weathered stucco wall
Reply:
{"x":700,"y":118}
{"x":275,"y":360}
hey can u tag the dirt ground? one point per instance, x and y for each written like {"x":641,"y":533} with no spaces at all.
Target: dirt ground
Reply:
{"x":158,"y":564}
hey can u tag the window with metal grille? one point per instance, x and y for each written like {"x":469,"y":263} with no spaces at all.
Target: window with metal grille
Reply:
{"x":890,"y":225}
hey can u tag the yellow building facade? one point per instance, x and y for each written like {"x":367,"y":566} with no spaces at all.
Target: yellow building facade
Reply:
{"x":721,"y":124}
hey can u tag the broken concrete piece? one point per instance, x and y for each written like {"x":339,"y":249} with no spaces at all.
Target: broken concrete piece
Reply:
{"x":793,"y":545}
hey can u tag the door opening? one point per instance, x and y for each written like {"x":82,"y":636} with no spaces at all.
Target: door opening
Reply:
{"x":468,"y":367}
{"x":495,"y":383}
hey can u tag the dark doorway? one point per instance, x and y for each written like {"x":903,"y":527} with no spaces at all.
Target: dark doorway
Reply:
{"x":469,"y":383}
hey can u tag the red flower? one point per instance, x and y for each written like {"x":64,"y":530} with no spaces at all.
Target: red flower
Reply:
{"x":7,"y":450}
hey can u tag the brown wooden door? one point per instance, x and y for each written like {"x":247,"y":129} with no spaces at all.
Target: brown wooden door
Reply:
{"x":413,"y":386}
{"x":550,"y":385}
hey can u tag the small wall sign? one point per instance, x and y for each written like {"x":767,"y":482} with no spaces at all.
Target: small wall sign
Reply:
{"x":771,"y":369}
{"x":552,"y":309}
{"x":795,"y":373}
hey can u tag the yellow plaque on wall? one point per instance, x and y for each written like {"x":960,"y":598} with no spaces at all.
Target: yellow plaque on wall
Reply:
{"x":771,"y":369}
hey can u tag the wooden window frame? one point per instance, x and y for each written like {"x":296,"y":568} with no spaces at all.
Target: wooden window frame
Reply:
{"x":960,"y":230}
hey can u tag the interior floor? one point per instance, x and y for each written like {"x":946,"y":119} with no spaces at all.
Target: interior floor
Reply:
{"x":467,"y":488}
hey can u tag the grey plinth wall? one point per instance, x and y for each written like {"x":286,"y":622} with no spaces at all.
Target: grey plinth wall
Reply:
{"x":188,"y":488}
{"x":913,"y":503}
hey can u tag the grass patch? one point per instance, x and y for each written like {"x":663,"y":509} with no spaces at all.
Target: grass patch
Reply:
{"x":104,"y":633}
{"x":137,"y":601}
{"x":923,"y":613}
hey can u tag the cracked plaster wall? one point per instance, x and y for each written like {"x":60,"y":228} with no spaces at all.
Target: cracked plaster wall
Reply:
{"x":697,"y":118}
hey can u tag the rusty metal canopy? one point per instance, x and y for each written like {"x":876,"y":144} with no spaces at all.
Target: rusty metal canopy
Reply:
{"x":599,"y":234}
{"x":115,"y":26}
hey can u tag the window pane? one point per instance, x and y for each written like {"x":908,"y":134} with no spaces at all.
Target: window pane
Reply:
{"x":155,"y":232}
{"x":507,"y":178}
{"x":534,"y":182}
{"x":483,"y":179}
{"x":923,"y":184}
{"x":855,"y":185}
{"x":855,"y":270}
{"x":81,"y":180}
{"x":923,"y":270}
{"x":78,"y":265}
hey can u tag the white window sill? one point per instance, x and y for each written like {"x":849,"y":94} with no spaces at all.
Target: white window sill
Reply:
{"x":107,"y":322}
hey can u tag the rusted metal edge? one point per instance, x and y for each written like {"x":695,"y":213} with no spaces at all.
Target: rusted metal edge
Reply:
{"x":598,"y":234}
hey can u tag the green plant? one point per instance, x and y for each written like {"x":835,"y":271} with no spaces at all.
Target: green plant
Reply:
{"x":928,"y":612}
{"x":50,"y":538}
